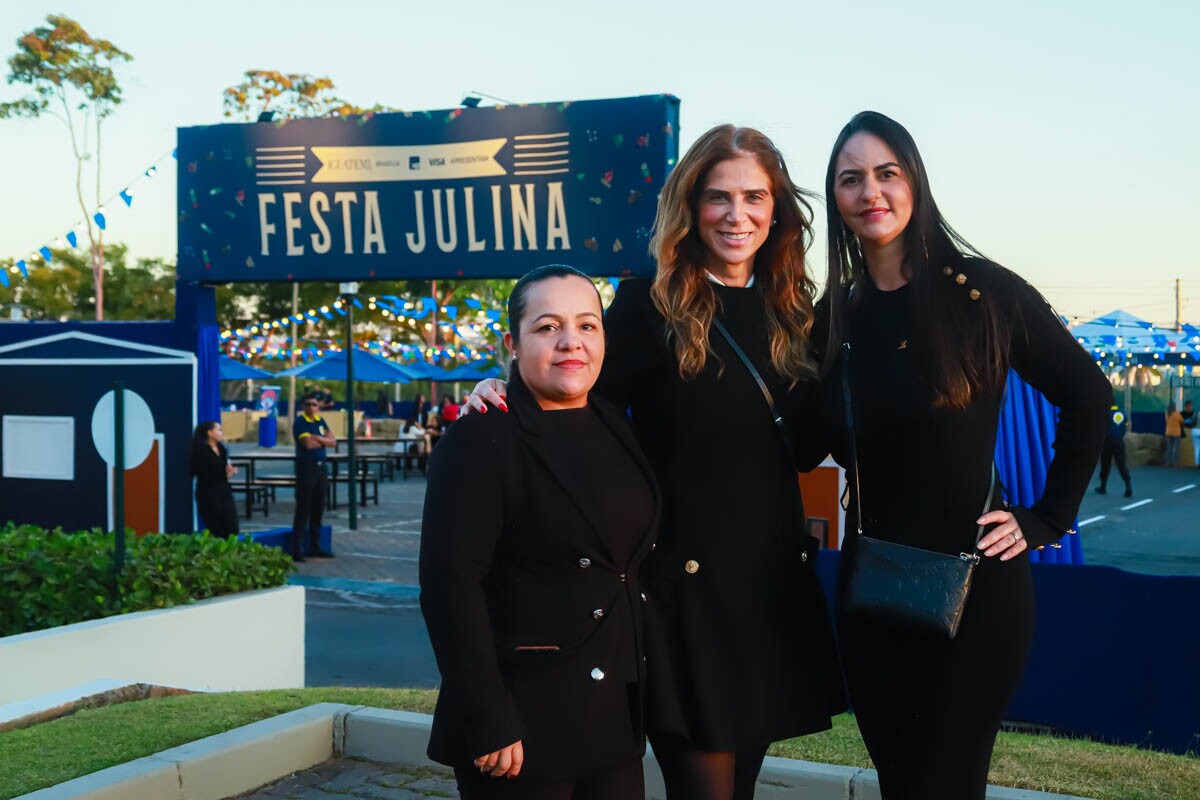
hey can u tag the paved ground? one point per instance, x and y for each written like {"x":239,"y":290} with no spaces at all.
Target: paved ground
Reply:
{"x":363,"y":626}
{"x":359,"y":780}
{"x":1157,"y":531}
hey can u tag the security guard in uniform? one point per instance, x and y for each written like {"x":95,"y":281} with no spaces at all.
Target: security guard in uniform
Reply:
{"x":312,"y":436}
{"x":1114,"y":448}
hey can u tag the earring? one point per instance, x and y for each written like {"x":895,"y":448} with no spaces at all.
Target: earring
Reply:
{"x":773,"y":222}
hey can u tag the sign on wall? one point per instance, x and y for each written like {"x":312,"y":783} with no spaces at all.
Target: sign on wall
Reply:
{"x":464,"y":193}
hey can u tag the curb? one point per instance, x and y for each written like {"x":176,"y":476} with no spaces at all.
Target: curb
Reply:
{"x":245,"y":758}
{"x":216,"y":767}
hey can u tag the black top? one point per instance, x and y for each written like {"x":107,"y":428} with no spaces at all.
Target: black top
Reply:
{"x":209,"y":467}
{"x":740,"y":650}
{"x":925,"y":471}
{"x":595,"y":460}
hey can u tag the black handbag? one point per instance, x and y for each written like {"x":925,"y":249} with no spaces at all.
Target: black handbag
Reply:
{"x":905,"y":587}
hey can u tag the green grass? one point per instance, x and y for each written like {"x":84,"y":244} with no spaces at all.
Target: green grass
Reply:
{"x":46,"y":754}
{"x":1042,"y":763}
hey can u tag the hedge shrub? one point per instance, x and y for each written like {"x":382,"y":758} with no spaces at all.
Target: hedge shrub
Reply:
{"x":50,"y":578}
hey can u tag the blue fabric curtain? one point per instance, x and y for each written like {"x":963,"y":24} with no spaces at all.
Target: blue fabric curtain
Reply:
{"x":196,"y":327}
{"x":1024,"y":447}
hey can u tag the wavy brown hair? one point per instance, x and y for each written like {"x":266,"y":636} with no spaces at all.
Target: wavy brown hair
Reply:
{"x":682,"y":292}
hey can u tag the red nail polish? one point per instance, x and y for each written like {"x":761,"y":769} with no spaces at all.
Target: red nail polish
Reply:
{"x":503,"y":407}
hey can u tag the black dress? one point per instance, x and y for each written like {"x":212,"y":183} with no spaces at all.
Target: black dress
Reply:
{"x":740,"y":648}
{"x":214,"y":497}
{"x":929,"y":709}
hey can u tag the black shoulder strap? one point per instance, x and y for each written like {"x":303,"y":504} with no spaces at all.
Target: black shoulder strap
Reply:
{"x":778,"y":419}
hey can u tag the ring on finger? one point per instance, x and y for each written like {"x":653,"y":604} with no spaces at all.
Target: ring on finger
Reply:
{"x":1017,"y":536}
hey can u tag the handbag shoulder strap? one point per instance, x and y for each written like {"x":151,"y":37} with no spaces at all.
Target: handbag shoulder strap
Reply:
{"x":987,"y":504}
{"x":776,"y":417}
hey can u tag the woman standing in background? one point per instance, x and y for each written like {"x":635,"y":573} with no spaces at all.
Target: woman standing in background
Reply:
{"x":214,"y":496}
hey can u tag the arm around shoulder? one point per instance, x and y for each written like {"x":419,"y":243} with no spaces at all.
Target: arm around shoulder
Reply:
{"x":633,"y":342}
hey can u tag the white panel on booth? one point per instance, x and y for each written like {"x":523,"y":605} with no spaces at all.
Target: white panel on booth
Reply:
{"x":42,"y":448}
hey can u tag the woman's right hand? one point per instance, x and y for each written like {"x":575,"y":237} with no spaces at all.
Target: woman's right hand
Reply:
{"x":490,"y":390}
{"x":505,"y":762}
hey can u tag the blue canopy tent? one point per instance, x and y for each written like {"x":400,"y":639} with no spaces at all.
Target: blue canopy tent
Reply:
{"x":368,"y":367}
{"x":233,"y":370}
{"x":1121,"y":339}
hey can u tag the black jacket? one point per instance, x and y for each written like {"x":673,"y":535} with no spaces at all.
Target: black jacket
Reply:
{"x":512,"y":559}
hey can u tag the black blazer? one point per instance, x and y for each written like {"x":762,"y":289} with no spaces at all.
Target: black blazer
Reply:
{"x":537,"y":632}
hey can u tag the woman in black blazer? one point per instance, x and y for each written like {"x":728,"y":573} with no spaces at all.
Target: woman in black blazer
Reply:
{"x":530,"y":580}
{"x":214,"y":497}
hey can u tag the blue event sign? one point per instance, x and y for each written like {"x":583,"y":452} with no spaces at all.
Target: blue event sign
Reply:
{"x":463,"y":193}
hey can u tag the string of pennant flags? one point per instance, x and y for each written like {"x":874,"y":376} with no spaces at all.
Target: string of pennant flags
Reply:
{"x":73,"y":236}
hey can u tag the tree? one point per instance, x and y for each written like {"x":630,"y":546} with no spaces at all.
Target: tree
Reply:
{"x":61,"y":290}
{"x":71,"y":75}
{"x":291,"y":95}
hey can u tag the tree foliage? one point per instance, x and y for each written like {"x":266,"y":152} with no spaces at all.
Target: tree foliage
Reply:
{"x":61,"y":290}
{"x":71,"y":77}
{"x":289,"y":95}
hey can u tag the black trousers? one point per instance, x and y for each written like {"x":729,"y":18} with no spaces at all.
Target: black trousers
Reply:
{"x":311,"y":486}
{"x":617,"y":782}
{"x":218,"y":512}
{"x":1114,"y":449}
{"x":929,"y":708}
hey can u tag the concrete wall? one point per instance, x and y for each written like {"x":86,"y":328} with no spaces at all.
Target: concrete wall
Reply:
{"x":253,"y":640}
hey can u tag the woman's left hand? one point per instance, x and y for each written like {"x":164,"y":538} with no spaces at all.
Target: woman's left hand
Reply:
{"x":1006,"y":539}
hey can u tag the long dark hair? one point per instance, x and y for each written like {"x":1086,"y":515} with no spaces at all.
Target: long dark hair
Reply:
{"x":966,"y":344}
{"x":682,"y":292}
{"x":201,"y":434}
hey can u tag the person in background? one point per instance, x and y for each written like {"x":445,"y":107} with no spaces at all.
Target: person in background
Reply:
{"x":1191,"y":431}
{"x":530,"y":586}
{"x":383,"y":404}
{"x":415,"y":441}
{"x":1174,"y":434}
{"x":1114,"y":449}
{"x":421,"y":411}
{"x":312,"y":436}
{"x":448,"y":413}
{"x":214,"y":496}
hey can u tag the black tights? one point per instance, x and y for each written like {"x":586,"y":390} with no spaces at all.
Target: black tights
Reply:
{"x":692,"y":774}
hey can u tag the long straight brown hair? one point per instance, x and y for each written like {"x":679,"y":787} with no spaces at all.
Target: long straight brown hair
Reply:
{"x":682,"y":292}
{"x":966,"y":343}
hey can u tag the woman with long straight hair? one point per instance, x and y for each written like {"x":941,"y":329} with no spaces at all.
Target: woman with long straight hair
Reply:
{"x":926,"y":330}
{"x":739,"y":645}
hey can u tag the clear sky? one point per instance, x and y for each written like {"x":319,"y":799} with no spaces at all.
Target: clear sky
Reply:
{"x":1057,"y":134}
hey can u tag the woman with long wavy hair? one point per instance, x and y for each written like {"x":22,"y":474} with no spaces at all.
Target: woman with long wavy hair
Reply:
{"x":739,"y":646}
